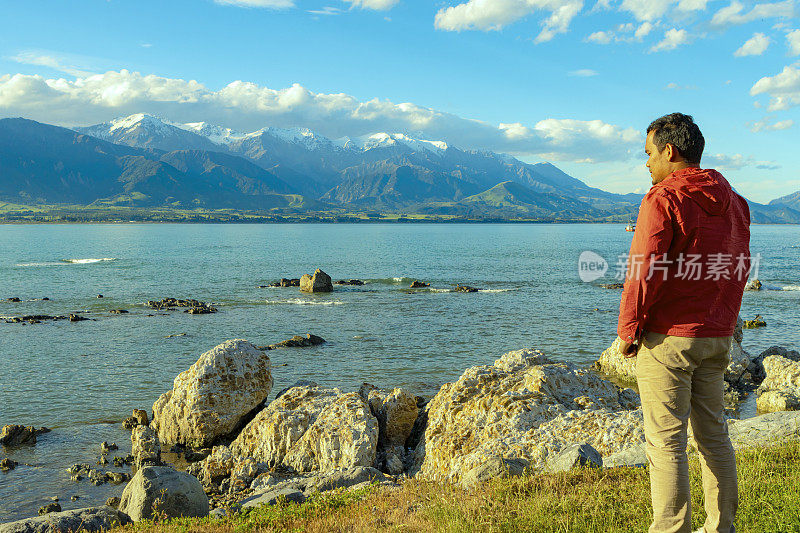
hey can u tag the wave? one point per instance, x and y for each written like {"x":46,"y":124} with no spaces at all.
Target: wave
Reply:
{"x":495,"y":290}
{"x":440,"y":290}
{"x":392,"y":281}
{"x":42,"y":264}
{"x":790,"y":288}
{"x":300,"y":301}
{"x":88,"y":261}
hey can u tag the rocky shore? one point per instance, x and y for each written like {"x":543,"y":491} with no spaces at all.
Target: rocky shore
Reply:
{"x":525,"y":414}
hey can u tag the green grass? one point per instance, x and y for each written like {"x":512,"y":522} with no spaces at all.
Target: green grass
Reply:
{"x":609,"y":500}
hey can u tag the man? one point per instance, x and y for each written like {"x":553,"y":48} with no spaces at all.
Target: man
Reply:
{"x":687,"y":268}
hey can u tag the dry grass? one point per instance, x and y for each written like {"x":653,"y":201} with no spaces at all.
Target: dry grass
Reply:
{"x":611,"y":500}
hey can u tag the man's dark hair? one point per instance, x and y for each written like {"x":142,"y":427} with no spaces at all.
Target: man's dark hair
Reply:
{"x":680,"y":131}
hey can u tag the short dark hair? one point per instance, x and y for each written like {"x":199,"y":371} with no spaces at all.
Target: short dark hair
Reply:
{"x":680,"y":131}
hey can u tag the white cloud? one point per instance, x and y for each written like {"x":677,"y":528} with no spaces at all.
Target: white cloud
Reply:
{"x":643,"y":30}
{"x":754,"y":46}
{"x":793,"y":42}
{"x":146,"y":45}
{"x":675,"y":87}
{"x":327,"y":11}
{"x":732,"y":15}
{"x":767,"y":125}
{"x":652,"y":10}
{"x":270,"y":4}
{"x":601,"y":37}
{"x":672,"y":39}
{"x":782,"y":88}
{"x":247,"y":106}
{"x":487,"y":15}
{"x":377,"y":5}
{"x":49,"y":61}
{"x":583,"y":73}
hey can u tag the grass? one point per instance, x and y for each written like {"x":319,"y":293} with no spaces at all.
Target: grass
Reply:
{"x":609,"y":500}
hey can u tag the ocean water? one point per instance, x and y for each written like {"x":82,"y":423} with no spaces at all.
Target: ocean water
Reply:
{"x":81,"y":379}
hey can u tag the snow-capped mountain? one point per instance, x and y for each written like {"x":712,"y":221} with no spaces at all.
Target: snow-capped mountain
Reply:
{"x":383,"y":168}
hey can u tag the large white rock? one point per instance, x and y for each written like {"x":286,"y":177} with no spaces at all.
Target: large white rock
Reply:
{"x":307,"y":428}
{"x":163,"y":491}
{"x":211,"y":398}
{"x":396,"y":411}
{"x":523,"y":407}
{"x":780,"y":390}
{"x":765,"y":430}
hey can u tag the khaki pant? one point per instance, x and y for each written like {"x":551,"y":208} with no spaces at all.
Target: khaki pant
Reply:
{"x":681,"y":380}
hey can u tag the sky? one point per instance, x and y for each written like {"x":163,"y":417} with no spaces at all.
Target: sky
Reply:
{"x":571,"y":82}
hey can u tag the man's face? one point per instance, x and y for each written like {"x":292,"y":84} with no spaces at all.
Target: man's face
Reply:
{"x":657,"y":161}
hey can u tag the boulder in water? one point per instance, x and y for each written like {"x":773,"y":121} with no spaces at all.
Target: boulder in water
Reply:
{"x":318,"y":282}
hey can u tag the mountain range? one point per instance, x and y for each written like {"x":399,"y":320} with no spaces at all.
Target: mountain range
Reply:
{"x":145,"y":161}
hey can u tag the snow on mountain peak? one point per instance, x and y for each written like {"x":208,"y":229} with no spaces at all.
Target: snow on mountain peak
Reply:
{"x":376,"y":140}
{"x":215,"y":134}
{"x":133,"y":120}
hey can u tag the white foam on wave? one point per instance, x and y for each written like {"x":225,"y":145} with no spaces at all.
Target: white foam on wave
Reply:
{"x":89,"y":261}
{"x":441,"y":290}
{"x":42,"y":264}
{"x":790,"y":288}
{"x":495,"y":290}
{"x":300,"y":301}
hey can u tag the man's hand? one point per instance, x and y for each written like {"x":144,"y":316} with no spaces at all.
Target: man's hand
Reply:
{"x":628,"y":349}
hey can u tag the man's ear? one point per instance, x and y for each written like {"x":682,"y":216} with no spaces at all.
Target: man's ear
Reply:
{"x":673,"y":156}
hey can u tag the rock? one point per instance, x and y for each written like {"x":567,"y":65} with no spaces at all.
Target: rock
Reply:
{"x":612,"y":285}
{"x":113,"y":501}
{"x":215,"y":396}
{"x":145,"y":447}
{"x":272,"y":497}
{"x":765,"y":430}
{"x":14,"y":435}
{"x":396,"y":412}
{"x":141,"y":416}
{"x":192,"y":456}
{"x":75,"y":498}
{"x":613,"y":363}
{"x":119,"y":311}
{"x":634,"y":456}
{"x":419,"y":284}
{"x":753,"y":285}
{"x":73,"y":317}
{"x":84,"y":520}
{"x":7,"y":464}
{"x":465,"y":288}
{"x":738,"y":334}
{"x":219,"y":513}
{"x":13,"y":299}
{"x":49,"y":508}
{"x":99,"y":295}
{"x":344,"y":478}
{"x":492,"y":468}
{"x":103,"y":460}
{"x":163,"y":491}
{"x":350,"y":282}
{"x":105,"y":447}
{"x":318,"y":282}
{"x":780,"y":389}
{"x":756,"y":367}
{"x":298,"y":341}
{"x":123,"y":461}
{"x":194,"y":306}
{"x":575,"y":456}
{"x":525,"y":406}
{"x":130,"y":423}
{"x":286,"y":282}
{"x":775,"y":400}
{"x":757,"y":322}
{"x":306,"y":429}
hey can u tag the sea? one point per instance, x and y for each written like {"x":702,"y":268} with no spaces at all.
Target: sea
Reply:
{"x":82,"y":378}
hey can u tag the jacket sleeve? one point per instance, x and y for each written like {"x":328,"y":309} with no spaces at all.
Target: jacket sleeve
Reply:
{"x":645,"y":266}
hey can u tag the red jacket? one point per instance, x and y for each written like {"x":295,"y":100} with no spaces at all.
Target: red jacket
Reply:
{"x":689,"y":259}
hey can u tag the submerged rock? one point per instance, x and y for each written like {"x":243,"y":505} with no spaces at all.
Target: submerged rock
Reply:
{"x":419,"y":284}
{"x":356,"y":282}
{"x":14,"y":434}
{"x":465,"y":288}
{"x":286,"y":282}
{"x":49,"y":508}
{"x":214,"y":396}
{"x":318,"y":282}
{"x":194,"y":306}
{"x":525,"y":406}
{"x":162,"y":490}
{"x":298,"y":341}
{"x":7,"y":464}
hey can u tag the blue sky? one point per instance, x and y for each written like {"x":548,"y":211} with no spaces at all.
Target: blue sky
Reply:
{"x":570,"y":82}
